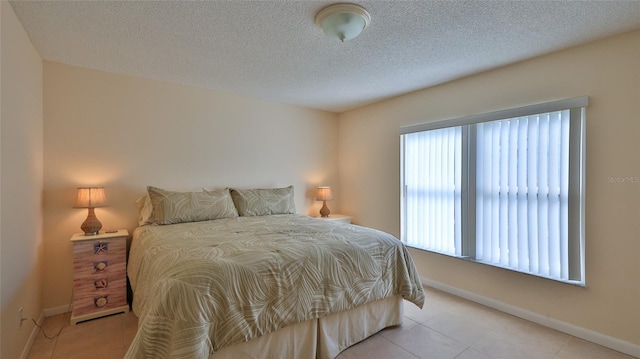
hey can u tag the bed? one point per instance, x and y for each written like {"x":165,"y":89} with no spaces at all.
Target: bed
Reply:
{"x":261,"y":284}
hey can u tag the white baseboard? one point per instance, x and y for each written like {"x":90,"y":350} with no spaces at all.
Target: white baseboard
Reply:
{"x":32,"y":337}
{"x":576,"y":331}
{"x":50,"y":312}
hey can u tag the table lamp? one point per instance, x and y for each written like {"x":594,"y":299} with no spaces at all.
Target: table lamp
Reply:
{"x":324,"y":195}
{"x":91,"y":197}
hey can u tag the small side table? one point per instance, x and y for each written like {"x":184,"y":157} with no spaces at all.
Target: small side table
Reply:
{"x":99,"y":275}
{"x":337,"y":217}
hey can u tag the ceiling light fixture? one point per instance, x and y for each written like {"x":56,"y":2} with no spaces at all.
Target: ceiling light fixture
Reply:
{"x":343,"y":21}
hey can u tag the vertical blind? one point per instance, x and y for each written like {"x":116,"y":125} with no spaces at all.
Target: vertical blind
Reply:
{"x":499,"y":189}
{"x":433,"y":183}
{"x":522,"y":193}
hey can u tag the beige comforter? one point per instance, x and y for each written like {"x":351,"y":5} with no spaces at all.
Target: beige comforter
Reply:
{"x":199,"y":287}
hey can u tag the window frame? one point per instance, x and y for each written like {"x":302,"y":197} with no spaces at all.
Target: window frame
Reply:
{"x":577,"y":107}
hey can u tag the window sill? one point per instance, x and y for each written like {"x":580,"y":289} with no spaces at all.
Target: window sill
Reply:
{"x":469,"y":259}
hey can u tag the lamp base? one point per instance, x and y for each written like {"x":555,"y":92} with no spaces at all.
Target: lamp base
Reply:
{"x":324,"y":211}
{"x":91,"y":226}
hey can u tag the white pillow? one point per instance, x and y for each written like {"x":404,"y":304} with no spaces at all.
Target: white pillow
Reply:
{"x":145,"y":210}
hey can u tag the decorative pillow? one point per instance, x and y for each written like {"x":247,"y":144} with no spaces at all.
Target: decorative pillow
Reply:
{"x":145,"y":210}
{"x":177,"y":207}
{"x":262,"y":202}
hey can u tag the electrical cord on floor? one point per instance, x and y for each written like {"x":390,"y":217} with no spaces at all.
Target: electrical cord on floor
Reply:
{"x":66,"y":320}
{"x":45,"y":333}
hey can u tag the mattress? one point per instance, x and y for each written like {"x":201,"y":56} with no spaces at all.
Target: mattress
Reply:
{"x":203,"y":286}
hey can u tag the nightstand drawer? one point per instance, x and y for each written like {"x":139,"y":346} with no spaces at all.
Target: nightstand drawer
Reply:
{"x":98,"y":284}
{"x":98,"y":295}
{"x":86,"y":267}
{"x":100,"y":248}
{"x":91,"y":264}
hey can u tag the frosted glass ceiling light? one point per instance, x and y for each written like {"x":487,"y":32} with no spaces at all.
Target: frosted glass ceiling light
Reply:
{"x":343,"y":21}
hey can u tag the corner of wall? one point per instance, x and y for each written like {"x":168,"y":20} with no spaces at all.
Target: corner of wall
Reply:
{"x":21,"y":183}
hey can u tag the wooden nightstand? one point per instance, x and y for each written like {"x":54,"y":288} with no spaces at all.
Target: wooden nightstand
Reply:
{"x":99,"y":275}
{"x":337,"y":217}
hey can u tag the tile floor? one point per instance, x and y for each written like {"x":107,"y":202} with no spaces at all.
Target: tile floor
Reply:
{"x":447,"y":327}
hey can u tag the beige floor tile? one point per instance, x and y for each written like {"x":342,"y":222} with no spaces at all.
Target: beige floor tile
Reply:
{"x":494,"y":318}
{"x":581,"y":349}
{"x":522,"y":340}
{"x":99,"y":352}
{"x":129,"y":328}
{"x":128,"y":336}
{"x":42,"y":347}
{"x":375,"y":347}
{"x":54,"y":323}
{"x":46,"y":340}
{"x":463,"y":329}
{"x":129,"y":320}
{"x":104,"y":334}
{"x":536,"y":332}
{"x":95,"y":326}
{"x":418,"y":315}
{"x":500,"y":345}
{"x":427,"y":343}
{"x":399,"y":330}
{"x":472,"y":354}
{"x":445,"y":301}
{"x":40,"y":355}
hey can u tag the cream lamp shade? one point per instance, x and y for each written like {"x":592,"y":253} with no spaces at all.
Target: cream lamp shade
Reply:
{"x":343,"y":21}
{"x":91,"y":197}
{"x":324,"y":195}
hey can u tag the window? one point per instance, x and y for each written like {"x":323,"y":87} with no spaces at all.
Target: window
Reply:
{"x":504,"y":188}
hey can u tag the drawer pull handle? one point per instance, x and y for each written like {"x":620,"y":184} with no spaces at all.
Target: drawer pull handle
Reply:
{"x":100,"y":266}
{"x":101,"y":283}
{"x":100,"y":301}
{"x":100,"y":248}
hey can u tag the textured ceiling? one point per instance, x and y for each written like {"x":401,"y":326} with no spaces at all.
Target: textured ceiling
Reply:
{"x":273,"y":50}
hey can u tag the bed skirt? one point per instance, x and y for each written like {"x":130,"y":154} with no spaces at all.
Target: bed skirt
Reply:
{"x":322,"y":338}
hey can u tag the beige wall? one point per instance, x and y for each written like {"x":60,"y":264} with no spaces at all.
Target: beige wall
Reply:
{"x":126,"y":133}
{"x":20,"y":184}
{"x":607,"y":71}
